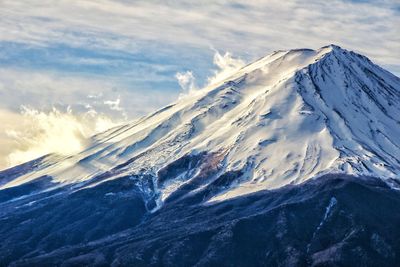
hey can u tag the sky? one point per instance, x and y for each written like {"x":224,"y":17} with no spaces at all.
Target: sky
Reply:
{"x":69,"y":69}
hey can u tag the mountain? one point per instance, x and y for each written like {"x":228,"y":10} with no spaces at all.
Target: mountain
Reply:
{"x":294,"y":160}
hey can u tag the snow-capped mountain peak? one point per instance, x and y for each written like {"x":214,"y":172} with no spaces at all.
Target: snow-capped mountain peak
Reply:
{"x":287,"y":117}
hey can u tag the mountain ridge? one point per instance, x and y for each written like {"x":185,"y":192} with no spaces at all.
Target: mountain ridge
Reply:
{"x":291,"y":161}
{"x":331,"y":221}
{"x":285,"y":118}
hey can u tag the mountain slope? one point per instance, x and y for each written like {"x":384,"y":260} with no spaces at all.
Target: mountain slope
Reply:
{"x":332,"y":221}
{"x":225,"y":176}
{"x":283,"y":119}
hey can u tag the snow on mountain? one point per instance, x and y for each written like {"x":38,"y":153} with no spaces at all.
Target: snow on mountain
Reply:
{"x":286,"y":118}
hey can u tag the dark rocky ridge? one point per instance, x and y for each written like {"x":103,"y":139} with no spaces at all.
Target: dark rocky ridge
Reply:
{"x":335,"y":220}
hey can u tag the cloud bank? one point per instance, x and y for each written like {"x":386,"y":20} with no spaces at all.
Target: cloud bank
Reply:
{"x":32,"y":133}
{"x":252,"y":26}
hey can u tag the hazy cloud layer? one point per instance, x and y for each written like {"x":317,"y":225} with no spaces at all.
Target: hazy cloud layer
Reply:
{"x":32,"y":133}
{"x":251,"y":26}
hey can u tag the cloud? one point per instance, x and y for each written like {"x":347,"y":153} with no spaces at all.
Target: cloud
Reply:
{"x":254,"y":27}
{"x":186,"y":81}
{"x":42,"y":112}
{"x":106,"y":94}
{"x":33,"y":133}
{"x":114,"y":104}
{"x":227,"y":65}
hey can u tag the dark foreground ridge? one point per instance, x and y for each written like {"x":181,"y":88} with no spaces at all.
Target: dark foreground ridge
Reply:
{"x":336,"y":220}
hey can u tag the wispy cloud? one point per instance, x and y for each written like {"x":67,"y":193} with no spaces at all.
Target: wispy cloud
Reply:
{"x":45,"y":89}
{"x":186,"y":81}
{"x":227,"y":65}
{"x":43,"y":113}
{"x":255,"y":27}
{"x":33,"y":133}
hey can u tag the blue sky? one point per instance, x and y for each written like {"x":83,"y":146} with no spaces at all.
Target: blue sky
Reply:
{"x":119,"y":59}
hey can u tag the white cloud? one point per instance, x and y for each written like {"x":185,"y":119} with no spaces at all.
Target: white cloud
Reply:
{"x":47,"y":124}
{"x":227,"y":65}
{"x":252,"y":26}
{"x":186,"y":81}
{"x":43,"y":90}
{"x":114,"y":104}
{"x":33,"y":133}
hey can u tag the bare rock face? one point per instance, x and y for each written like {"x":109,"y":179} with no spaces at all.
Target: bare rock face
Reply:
{"x":336,"y":220}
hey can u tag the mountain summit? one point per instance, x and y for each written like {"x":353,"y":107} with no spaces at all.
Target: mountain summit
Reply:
{"x":225,"y":176}
{"x":288,"y":117}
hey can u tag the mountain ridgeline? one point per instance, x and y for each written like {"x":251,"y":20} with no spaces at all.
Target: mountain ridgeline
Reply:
{"x":294,"y":160}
